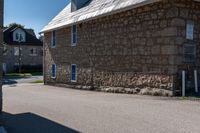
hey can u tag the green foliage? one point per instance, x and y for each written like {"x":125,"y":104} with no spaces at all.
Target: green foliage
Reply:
{"x":190,"y":98}
{"x":18,"y":74}
{"x":38,"y":81}
{"x":15,"y":24}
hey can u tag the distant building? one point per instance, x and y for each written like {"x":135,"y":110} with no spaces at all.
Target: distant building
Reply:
{"x":16,"y":39}
{"x":136,"y":44}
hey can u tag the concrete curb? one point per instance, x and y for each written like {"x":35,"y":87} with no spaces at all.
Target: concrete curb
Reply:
{"x":2,"y":130}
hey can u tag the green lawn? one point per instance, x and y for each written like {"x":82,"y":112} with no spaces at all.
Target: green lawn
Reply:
{"x":18,"y":74}
{"x":189,"y":98}
{"x":38,"y":81}
{"x":23,"y":74}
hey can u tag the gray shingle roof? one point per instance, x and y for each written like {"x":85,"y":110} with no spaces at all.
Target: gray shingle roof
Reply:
{"x":94,"y":9}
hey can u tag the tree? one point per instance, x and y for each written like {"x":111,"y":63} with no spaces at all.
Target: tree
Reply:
{"x":15,"y":24}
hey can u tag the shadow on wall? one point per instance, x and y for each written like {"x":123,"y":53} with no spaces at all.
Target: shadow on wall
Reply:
{"x":32,"y":123}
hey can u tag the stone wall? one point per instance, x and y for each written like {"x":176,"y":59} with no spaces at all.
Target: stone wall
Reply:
{"x":1,"y":57}
{"x":27,"y":59}
{"x":187,"y":12}
{"x":135,"y":48}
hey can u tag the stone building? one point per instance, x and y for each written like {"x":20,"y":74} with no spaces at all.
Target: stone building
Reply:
{"x":136,"y":44}
{"x":1,"y":42}
{"x":20,"y":41}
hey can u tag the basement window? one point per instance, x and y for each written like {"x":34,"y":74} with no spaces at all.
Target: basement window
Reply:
{"x":53,"y":73}
{"x":53,"y":39}
{"x":73,"y":35}
{"x":73,"y":76}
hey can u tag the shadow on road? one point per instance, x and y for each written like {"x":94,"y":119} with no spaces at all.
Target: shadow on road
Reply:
{"x":32,"y":123}
{"x":9,"y":81}
{"x":12,"y":80}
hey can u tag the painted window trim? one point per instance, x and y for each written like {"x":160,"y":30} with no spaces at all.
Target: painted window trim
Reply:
{"x":17,"y":35}
{"x":75,"y":73}
{"x":52,"y":70}
{"x":18,"y":51}
{"x":53,"y":36}
{"x":72,"y":37}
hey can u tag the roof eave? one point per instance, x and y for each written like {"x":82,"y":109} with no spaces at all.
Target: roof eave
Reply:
{"x":103,"y":15}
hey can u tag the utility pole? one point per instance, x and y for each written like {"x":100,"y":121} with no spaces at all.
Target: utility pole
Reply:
{"x":20,"y":53}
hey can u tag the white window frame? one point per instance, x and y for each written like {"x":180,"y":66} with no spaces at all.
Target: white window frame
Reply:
{"x":75,"y":73}
{"x":16,"y":51}
{"x":72,"y":36}
{"x":19,"y":33}
{"x":53,"y":36}
{"x":52,"y":70}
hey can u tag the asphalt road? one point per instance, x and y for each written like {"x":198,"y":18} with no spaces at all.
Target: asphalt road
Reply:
{"x":45,"y":109}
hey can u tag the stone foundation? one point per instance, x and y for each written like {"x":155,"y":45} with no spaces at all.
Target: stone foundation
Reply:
{"x":130,"y":83}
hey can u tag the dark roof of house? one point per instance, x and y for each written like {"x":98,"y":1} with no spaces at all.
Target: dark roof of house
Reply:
{"x":31,"y":38}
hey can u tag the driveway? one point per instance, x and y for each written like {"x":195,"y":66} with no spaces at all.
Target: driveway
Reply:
{"x":21,"y":80}
{"x":46,"y":109}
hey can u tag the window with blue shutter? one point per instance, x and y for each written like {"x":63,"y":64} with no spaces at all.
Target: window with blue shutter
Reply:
{"x":53,"y":71}
{"x":73,"y":76}
{"x":53,"y":39}
{"x":74,"y":35}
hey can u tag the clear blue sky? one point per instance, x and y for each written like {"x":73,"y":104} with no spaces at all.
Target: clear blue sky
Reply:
{"x":33,"y":14}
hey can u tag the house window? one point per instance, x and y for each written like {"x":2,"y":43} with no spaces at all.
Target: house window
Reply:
{"x":33,"y":52}
{"x":16,"y":51}
{"x":19,"y":35}
{"x":190,"y":30}
{"x":73,"y":35}
{"x":53,"y":39}
{"x":53,"y":69}
{"x":73,"y":76}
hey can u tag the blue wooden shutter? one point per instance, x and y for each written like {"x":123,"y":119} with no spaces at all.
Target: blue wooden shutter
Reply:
{"x":74,"y":35}
{"x":53,"y":39}
{"x":73,"y":78}
{"x":53,"y":71}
